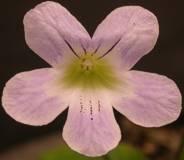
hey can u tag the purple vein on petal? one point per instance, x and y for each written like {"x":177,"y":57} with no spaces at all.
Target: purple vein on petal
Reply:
{"x":69,"y":45}
{"x":113,"y":46}
{"x":85,"y":51}
{"x":96,"y":50}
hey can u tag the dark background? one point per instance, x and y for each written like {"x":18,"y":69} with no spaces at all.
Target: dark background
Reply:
{"x":167,"y":57}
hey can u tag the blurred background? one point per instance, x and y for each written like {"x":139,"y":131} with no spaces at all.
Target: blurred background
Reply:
{"x":18,"y":141}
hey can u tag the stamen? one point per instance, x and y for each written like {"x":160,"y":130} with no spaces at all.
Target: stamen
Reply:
{"x":86,"y":63}
{"x":87,"y":68}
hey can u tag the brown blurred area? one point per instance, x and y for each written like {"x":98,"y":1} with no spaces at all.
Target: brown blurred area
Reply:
{"x":167,"y":58}
{"x":164,"y":143}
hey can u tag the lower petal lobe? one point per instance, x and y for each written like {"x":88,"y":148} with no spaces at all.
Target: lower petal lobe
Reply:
{"x":91,"y":128}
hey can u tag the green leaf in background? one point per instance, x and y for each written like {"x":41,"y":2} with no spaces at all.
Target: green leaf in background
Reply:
{"x":126,"y":152}
{"x":64,"y":153}
{"x":182,"y":155}
{"x":122,"y":152}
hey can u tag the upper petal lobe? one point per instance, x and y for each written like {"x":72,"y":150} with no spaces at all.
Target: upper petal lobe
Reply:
{"x":53,"y":33}
{"x":127,"y":34}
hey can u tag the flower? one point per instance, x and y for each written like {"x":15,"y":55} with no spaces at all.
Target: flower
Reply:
{"x":91,"y":76}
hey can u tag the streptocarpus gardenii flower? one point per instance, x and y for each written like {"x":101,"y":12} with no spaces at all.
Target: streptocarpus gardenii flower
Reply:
{"x":91,"y":76}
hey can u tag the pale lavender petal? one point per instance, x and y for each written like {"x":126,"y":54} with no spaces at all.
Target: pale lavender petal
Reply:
{"x":31,"y":97}
{"x":126,"y":34}
{"x":155,"y":100}
{"x":52,"y":32}
{"x":91,"y":128}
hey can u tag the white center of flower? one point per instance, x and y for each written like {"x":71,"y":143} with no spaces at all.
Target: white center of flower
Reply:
{"x":89,"y":72}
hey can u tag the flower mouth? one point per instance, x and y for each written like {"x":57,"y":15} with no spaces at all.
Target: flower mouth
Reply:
{"x":89,"y":72}
{"x":87,"y":62}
